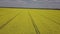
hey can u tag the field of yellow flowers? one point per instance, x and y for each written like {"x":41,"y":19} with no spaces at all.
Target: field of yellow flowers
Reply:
{"x":29,"y":21}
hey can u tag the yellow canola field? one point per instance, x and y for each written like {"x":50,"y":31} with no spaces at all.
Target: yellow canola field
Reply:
{"x":29,"y":21}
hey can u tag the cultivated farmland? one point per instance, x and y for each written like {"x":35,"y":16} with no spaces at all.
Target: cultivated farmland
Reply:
{"x":29,"y":21}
